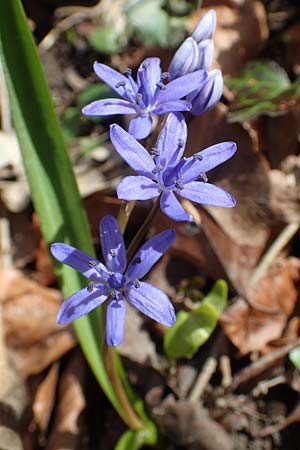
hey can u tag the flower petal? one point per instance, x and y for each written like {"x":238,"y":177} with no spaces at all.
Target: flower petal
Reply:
{"x":149,"y":254}
{"x":131,"y":151}
{"x":140,"y":126}
{"x":148,"y":76}
{"x":171,"y":141}
{"x":185,"y":59}
{"x":81,"y":303}
{"x":182,"y":86}
{"x":206,"y":27}
{"x":172,"y":106}
{"x":207,"y":194}
{"x":112,"y":242}
{"x":115,"y":321}
{"x":108,"y":107}
{"x":137,"y":188}
{"x":208,"y":94}
{"x":79,"y":261}
{"x":206,"y":54}
{"x":117,"y":81}
{"x":206,"y":160}
{"x":172,"y":208}
{"x":152,"y":302}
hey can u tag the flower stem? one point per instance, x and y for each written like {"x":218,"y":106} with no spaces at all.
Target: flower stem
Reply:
{"x":143,"y":230}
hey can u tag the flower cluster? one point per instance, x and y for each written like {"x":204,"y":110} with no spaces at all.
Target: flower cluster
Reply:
{"x":162,"y":172}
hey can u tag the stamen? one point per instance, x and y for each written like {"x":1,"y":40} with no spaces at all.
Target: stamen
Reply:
{"x":179,"y":185}
{"x":161,"y":85}
{"x":203,"y":177}
{"x":165,"y":76}
{"x":139,"y":99}
{"x":90,"y":287}
{"x":136,"y":284}
{"x":145,"y":65}
{"x":92,"y":263}
{"x":198,"y":157}
{"x":113,"y":252}
{"x":154,"y":151}
{"x":180,"y":143}
{"x":157,"y":170}
{"x":120,"y":84}
{"x":113,"y":294}
{"x":136,"y":260}
{"x":127,"y":72}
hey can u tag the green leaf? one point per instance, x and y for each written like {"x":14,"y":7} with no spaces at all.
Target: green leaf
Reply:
{"x":294,"y":357}
{"x":192,"y":329}
{"x":150,"y":21}
{"x":107,"y":40}
{"x":94,"y":92}
{"x":49,"y":171}
{"x":262,"y":87}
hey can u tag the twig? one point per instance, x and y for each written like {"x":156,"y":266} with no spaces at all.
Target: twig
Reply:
{"x":281,"y":241}
{"x":203,"y":379}
{"x":226,"y":371}
{"x":263,"y":387}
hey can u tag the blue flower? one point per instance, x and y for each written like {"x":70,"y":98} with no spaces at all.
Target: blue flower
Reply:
{"x":144,"y":97}
{"x":167,"y":174}
{"x":196,"y":53}
{"x":114,"y":282}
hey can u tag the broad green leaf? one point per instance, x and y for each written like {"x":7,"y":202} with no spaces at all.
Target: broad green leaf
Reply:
{"x":262,"y":87}
{"x":294,"y":357}
{"x":107,"y":40}
{"x":50,"y":175}
{"x":192,"y":329}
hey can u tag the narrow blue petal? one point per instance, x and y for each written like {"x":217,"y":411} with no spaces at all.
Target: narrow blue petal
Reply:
{"x":140,"y":126}
{"x":208,"y":95}
{"x":206,"y":160}
{"x":172,"y":106}
{"x":152,"y":302}
{"x":117,"y":81}
{"x":108,"y":107}
{"x":81,"y":303}
{"x":115,"y":321}
{"x":148,"y":76}
{"x":206,"y":27}
{"x":171,"y":141}
{"x":206,"y":54}
{"x":80,"y":261}
{"x":172,"y":208}
{"x":207,"y":194}
{"x":137,"y":188}
{"x":112,"y":242}
{"x":182,"y":86}
{"x":132,"y":151}
{"x":149,"y":254}
{"x":185,"y":60}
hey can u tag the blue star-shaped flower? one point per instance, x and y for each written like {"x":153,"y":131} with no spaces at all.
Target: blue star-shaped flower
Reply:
{"x":148,"y":95}
{"x":115,"y":282}
{"x":167,"y":174}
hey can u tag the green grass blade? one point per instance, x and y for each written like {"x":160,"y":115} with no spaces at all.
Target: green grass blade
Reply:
{"x":49,"y":171}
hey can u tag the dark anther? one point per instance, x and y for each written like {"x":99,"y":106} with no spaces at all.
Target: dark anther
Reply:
{"x":90,"y":287}
{"x":136,"y":260}
{"x":165,"y":76}
{"x":179,"y":184}
{"x":92,"y":263}
{"x":180,"y":143}
{"x":127,"y":72}
{"x":161,"y":85}
{"x":136,"y":284}
{"x":198,"y":157}
{"x":154,"y":151}
{"x":139,"y":98}
{"x":145,"y":65}
{"x":113,"y":294}
{"x":120,"y":84}
{"x":203,"y":177}
{"x":113,"y":252}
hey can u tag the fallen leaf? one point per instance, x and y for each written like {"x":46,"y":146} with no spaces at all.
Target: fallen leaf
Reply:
{"x":251,"y":328}
{"x":45,"y":398}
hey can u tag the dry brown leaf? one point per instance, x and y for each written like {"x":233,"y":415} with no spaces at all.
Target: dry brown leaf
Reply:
{"x":45,"y":398}
{"x":67,"y":431}
{"x":250,"y":329}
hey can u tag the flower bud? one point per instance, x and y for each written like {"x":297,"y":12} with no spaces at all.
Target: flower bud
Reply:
{"x":209,"y":93}
{"x":206,"y":54}
{"x":185,"y":60}
{"x":206,"y":27}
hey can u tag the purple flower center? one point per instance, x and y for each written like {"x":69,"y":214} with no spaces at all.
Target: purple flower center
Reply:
{"x":116,"y":280}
